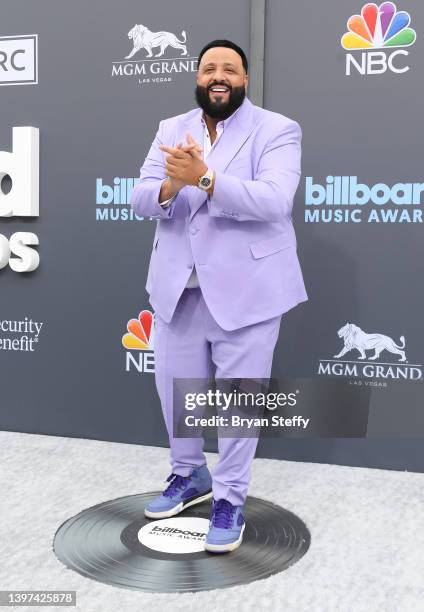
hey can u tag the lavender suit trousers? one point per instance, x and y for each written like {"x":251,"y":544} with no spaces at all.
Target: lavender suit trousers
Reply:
{"x":193,"y":345}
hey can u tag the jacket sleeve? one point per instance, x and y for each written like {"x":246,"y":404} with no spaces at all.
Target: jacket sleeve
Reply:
{"x":145,"y":196}
{"x":269,"y":197}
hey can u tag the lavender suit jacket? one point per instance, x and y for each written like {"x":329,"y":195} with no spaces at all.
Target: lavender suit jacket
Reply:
{"x":241,"y":240}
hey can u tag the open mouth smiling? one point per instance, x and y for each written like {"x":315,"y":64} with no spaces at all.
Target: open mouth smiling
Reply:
{"x":219,"y":89}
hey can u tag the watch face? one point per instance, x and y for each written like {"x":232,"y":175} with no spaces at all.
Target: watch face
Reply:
{"x":205,"y":182}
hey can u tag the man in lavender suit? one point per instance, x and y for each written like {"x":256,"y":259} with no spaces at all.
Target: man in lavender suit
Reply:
{"x":220,"y":180}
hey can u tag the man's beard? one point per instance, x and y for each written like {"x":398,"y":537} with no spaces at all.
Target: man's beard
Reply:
{"x":217,"y":108}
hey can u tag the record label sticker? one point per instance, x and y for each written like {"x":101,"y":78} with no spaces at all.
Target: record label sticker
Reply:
{"x":176,"y":535}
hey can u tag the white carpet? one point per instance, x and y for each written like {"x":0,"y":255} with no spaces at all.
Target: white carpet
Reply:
{"x":367,"y":528}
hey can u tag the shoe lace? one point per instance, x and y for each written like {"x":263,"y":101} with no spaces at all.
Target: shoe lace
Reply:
{"x":222,"y":513}
{"x":178,"y":482}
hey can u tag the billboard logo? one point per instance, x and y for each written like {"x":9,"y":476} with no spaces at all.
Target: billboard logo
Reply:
{"x":140,"y":337}
{"x":22,"y":167}
{"x":150,"y":46}
{"x":378,"y":27}
{"x":176,"y":535}
{"x":367,"y":348}
{"x":345,"y":200}
{"x":19,"y":60}
{"x":113,"y":201}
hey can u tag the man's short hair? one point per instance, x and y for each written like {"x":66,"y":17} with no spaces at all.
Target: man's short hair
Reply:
{"x":225,"y":43}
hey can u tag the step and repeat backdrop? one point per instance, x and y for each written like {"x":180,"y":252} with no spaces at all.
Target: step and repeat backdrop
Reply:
{"x":83,"y":88}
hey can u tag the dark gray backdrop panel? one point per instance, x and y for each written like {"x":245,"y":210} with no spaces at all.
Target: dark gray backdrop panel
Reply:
{"x":91,"y":277}
{"x":369,"y":274}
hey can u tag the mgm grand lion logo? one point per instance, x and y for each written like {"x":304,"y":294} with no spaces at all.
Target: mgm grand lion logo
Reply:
{"x":363,"y":363}
{"x":355,"y":338}
{"x":143,"y":38}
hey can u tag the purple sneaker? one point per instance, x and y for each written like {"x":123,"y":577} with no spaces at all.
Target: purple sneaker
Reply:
{"x":182,"y":492}
{"x":226,"y":526}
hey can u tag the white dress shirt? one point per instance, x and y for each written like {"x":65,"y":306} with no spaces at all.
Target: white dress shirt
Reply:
{"x":207,"y":147}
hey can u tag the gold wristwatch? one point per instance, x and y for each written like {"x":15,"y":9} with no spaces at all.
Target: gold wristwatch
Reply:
{"x":205,"y":181}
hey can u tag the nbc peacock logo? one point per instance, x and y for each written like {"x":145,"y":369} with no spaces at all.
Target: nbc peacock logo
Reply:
{"x":139,"y":342}
{"x":380,"y":27}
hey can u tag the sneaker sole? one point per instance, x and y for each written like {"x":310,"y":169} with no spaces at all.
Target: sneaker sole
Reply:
{"x":178,"y":508}
{"x":226,"y":547}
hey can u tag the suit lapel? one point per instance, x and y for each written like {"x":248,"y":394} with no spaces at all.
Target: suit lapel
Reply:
{"x":227,"y":147}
